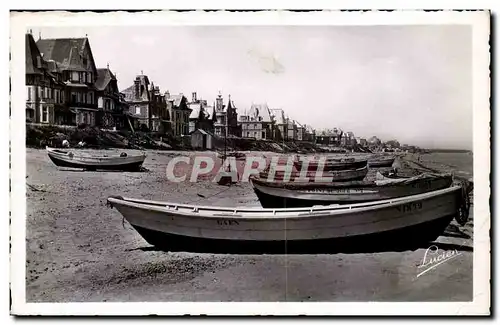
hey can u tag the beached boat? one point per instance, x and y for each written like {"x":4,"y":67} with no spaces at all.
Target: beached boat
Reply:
{"x":412,"y":219}
{"x":329,"y":163}
{"x":290,"y":194}
{"x":317,"y":177}
{"x":123,"y":162}
{"x":381,"y":162}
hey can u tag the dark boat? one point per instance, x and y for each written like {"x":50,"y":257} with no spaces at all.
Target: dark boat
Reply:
{"x":381,"y":162}
{"x":318,"y":177}
{"x":329,"y":163}
{"x":123,"y":162}
{"x":290,"y":194}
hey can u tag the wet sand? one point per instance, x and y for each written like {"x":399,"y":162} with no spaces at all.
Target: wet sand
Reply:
{"x":80,"y":250}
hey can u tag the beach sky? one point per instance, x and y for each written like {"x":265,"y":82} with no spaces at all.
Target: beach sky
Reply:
{"x":410,"y":83}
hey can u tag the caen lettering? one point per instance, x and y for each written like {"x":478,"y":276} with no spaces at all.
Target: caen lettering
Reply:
{"x":227,"y":222}
{"x":408,"y":207}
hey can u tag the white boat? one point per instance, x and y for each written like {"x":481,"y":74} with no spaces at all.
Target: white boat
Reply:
{"x":123,"y":162}
{"x":413,"y":219}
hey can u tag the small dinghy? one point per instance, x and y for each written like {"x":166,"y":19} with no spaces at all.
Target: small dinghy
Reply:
{"x":290,"y":194}
{"x":413,"y":219}
{"x":381,"y":162}
{"x":123,"y":162}
{"x":318,"y":177}
{"x":329,"y":163}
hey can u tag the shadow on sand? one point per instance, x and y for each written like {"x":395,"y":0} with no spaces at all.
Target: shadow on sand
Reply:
{"x":337,"y":247}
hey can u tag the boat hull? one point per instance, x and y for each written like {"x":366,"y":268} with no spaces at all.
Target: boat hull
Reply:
{"x":132,"y":163}
{"x":275,"y":195}
{"x":381,"y":162}
{"x":312,"y":176}
{"x":289,"y":225}
{"x":330,"y":165}
{"x":412,"y":237}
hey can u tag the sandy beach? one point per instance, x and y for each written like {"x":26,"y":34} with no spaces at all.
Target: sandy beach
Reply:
{"x":80,"y":250}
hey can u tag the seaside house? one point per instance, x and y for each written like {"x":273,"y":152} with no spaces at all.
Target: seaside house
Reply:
{"x":179,"y":112}
{"x":292,"y":129}
{"x":72,"y":59}
{"x":160,"y":116}
{"x":309,"y":134}
{"x":108,"y":100}
{"x":45,"y":97}
{"x":280,"y":131}
{"x":257,"y":122}
{"x":200,"y":116}
{"x":138,"y":98}
{"x":226,"y":118}
{"x":301,"y":130}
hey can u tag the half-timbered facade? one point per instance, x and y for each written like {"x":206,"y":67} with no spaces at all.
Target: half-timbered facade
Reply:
{"x":75,"y":63}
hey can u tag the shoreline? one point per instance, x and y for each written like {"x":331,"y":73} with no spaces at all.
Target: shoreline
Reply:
{"x":77,"y":250}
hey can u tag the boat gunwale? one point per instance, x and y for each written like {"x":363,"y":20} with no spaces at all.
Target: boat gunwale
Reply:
{"x":346,"y":185}
{"x":334,"y":209}
{"x":65,"y":154}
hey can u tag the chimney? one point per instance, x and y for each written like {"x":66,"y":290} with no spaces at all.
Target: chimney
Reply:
{"x":39,"y":62}
{"x":136,"y":87}
{"x":193,"y":97}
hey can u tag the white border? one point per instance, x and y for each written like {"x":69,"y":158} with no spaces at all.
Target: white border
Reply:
{"x":480,"y":22}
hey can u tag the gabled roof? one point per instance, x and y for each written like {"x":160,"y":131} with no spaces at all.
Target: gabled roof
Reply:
{"x":104,"y":76}
{"x":34,"y":61}
{"x":130,"y":91}
{"x":195,"y":110}
{"x":260,"y":110}
{"x":176,"y":99}
{"x":279,"y":115}
{"x":67,"y":52}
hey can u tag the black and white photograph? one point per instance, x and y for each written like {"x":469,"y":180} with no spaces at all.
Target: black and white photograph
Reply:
{"x":165,"y":158}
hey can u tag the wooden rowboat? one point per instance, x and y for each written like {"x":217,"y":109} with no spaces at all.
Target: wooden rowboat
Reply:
{"x":312,"y":176}
{"x":290,"y":194}
{"x":413,"y":219}
{"x":123,"y":162}
{"x":381,"y":162}
{"x":329,"y":163}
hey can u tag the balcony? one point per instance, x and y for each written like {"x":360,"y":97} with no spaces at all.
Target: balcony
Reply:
{"x":83,"y":105}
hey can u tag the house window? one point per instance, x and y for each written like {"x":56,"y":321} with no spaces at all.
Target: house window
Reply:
{"x":45,"y":114}
{"x":138,"y":110}
{"x":248,"y":134}
{"x":255,"y":134}
{"x":74,"y":76}
{"x":263,"y":135}
{"x":29,"y":92}
{"x":90,"y":77}
{"x":91,"y":94}
{"x":73,"y":98}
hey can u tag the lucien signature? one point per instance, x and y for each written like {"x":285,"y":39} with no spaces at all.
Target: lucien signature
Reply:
{"x":434,"y":257}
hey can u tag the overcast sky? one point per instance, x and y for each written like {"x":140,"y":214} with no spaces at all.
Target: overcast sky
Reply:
{"x":411,"y":83}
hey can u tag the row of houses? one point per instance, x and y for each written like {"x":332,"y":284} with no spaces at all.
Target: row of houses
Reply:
{"x":261,"y":122}
{"x":64,"y":87}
